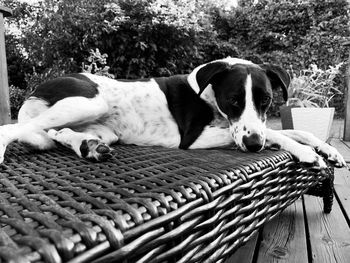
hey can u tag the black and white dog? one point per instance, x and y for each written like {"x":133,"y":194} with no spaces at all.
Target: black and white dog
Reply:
{"x":220,"y":103}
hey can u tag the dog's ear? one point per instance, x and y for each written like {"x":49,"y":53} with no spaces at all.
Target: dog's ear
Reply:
{"x":278,"y":78}
{"x":206,"y":74}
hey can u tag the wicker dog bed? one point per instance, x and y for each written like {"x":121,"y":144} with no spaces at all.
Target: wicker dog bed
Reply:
{"x":146,"y":204}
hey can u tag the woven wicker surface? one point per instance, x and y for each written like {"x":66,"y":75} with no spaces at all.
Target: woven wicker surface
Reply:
{"x":146,"y":204}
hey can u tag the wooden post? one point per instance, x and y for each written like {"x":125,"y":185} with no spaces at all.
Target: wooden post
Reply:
{"x":346,"y":136}
{"x":5,"y":114}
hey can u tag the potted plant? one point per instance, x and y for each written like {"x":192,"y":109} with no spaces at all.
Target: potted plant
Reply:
{"x":308,"y":105}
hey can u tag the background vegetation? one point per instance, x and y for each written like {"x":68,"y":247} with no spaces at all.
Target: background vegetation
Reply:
{"x":142,"y":38}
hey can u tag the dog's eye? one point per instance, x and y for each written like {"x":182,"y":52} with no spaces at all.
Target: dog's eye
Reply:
{"x":234,"y":102}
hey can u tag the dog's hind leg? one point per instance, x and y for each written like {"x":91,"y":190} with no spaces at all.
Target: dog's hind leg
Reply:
{"x":67,"y":112}
{"x":29,"y":110}
{"x":91,"y":143}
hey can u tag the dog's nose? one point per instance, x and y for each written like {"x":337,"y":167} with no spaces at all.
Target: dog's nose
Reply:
{"x":253,"y":142}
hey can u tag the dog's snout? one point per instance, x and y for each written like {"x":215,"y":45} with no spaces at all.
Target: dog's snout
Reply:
{"x":253,"y":142}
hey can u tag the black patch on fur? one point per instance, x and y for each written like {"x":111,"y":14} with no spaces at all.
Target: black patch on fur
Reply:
{"x":84,"y":148}
{"x":67,"y":86}
{"x":206,"y":74}
{"x":190,"y":112}
{"x":279,"y":78}
{"x":262,"y":92}
{"x":229,"y":89}
{"x":228,"y":82}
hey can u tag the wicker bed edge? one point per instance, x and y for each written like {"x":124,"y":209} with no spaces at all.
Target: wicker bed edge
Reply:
{"x":146,"y":204}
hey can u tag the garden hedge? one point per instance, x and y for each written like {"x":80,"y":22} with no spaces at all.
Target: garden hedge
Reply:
{"x":144,"y":38}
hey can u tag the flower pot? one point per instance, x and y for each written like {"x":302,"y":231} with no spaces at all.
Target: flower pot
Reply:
{"x":286,"y":117}
{"x":318,"y":121}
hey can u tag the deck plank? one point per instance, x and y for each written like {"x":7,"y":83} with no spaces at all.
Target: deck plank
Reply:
{"x":329,"y":233}
{"x":284,"y":238}
{"x":347,"y":143}
{"x":342,"y":177}
{"x":342,"y":148}
{"x":245,"y":253}
{"x":342,"y":189}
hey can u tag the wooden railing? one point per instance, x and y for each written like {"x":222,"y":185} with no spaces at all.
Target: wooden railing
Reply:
{"x":346,"y":136}
{"x":5,"y":114}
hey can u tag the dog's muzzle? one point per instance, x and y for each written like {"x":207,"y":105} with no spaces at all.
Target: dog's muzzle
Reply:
{"x":253,"y":142}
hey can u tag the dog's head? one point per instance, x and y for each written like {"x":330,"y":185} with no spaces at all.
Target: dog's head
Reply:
{"x":243,"y":94}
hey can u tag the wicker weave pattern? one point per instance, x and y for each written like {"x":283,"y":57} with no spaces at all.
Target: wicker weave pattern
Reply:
{"x":146,"y":204}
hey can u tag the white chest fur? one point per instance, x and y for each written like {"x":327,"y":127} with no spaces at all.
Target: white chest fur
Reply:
{"x":138,"y":112}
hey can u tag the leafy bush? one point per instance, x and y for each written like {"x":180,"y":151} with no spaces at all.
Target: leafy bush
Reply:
{"x":17,"y":97}
{"x":297,"y":33}
{"x":290,"y":33}
{"x":96,"y":63}
{"x":37,"y":78}
{"x":313,"y":87}
{"x":144,"y":38}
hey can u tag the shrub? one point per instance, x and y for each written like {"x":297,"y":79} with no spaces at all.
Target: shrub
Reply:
{"x":297,"y":33}
{"x":313,"y":87}
{"x":96,"y":63}
{"x":290,"y":33}
{"x":163,"y":37}
{"x":17,"y":97}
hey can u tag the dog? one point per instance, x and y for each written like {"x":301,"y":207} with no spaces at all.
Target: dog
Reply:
{"x":221,"y":103}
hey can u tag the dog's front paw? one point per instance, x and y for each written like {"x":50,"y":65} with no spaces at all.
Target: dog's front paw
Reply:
{"x":95,"y":150}
{"x":306,"y":154}
{"x":332,"y":155}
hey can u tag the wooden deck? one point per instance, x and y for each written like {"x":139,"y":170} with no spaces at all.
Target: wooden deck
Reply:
{"x":303,"y":233}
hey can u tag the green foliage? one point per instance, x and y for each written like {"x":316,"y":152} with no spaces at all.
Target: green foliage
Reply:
{"x":313,"y":87}
{"x":17,"y":97}
{"x":96,"y":63}
{"x":36,"y":78}
{"x":290,"y":33}
{"x":297,"y":33}
{"x":144,"y":38}
{"x":18,"y":65}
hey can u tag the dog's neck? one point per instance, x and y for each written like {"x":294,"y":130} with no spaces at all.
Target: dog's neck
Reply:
{"x":207,"y":95}
{"x":192,"y":79}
